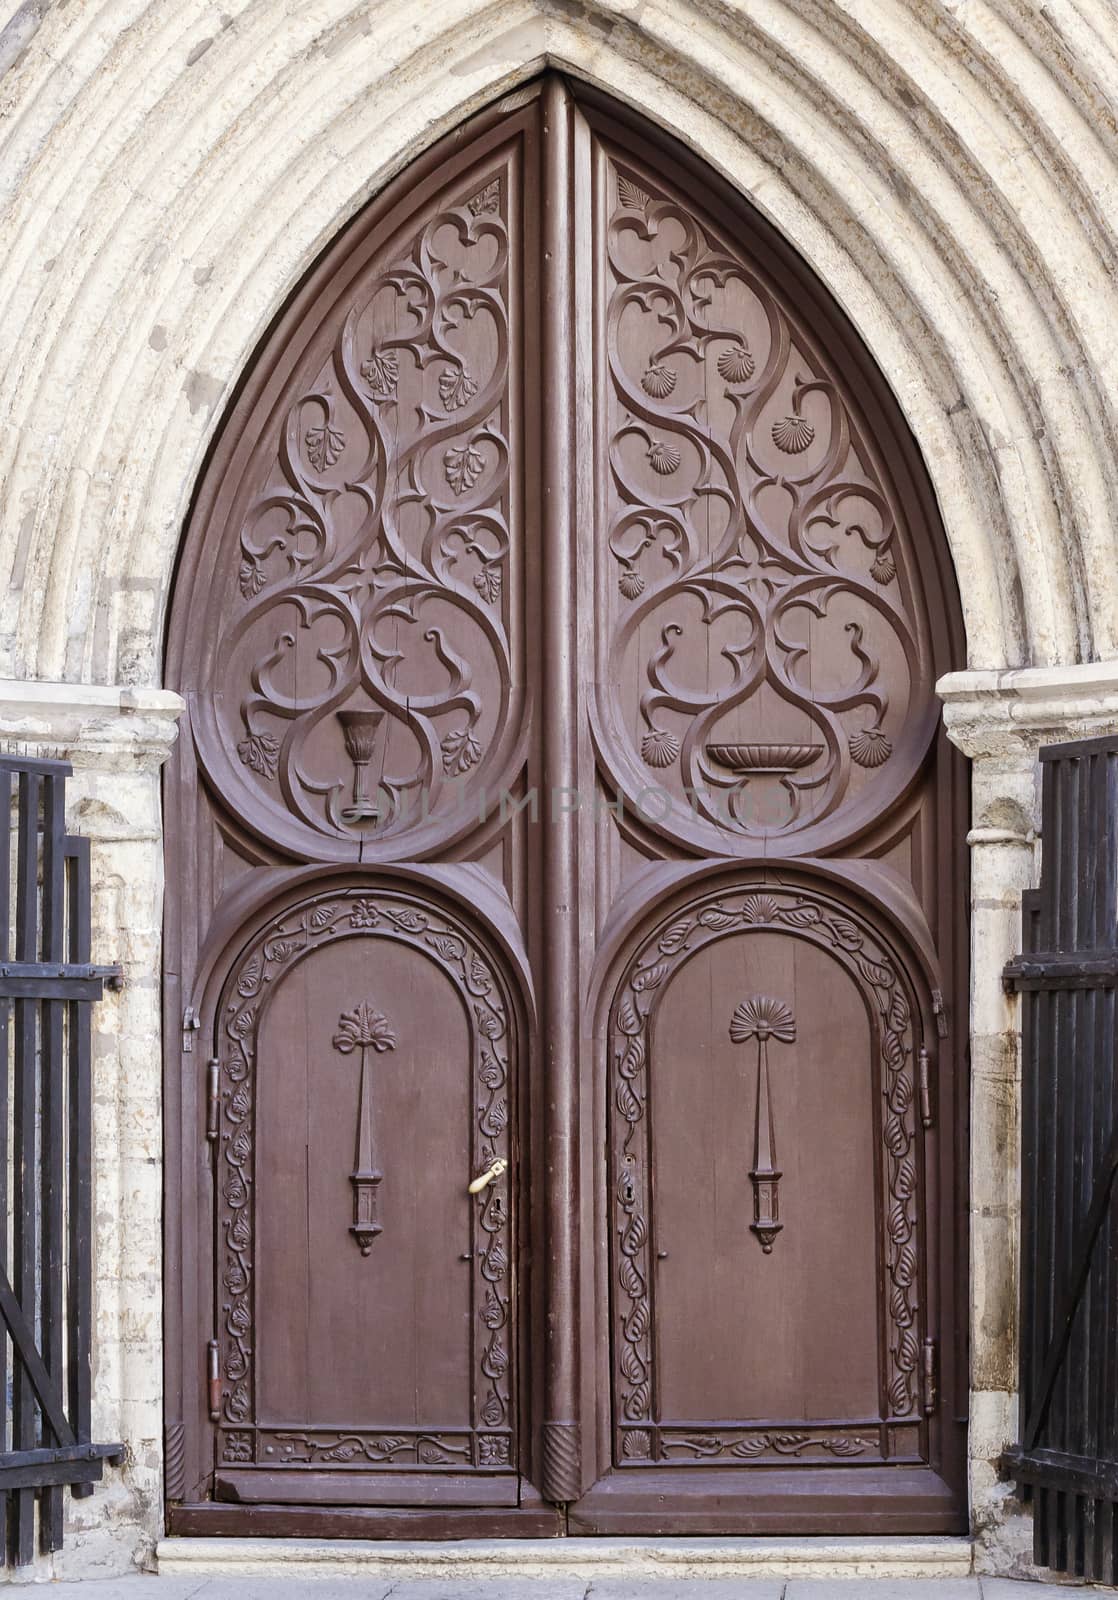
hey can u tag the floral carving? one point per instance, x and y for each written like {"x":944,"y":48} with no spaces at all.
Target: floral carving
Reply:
{"x":630,"y":195}
{"x":487,"y":200}
{"x":753,"y":534}
{"x":461,"y":751}
{"x":260,"y":753}
{"x":324,"y":446}
{"x":752,"y":1446}
{"x":381,"y":915}
{"x":382,"y":374}
{"x":364,"y":1028}
{"x":487,"y":582}
{"x":350,"y":595}
{"x":464,"y":464}
{"x":456,"y":388}
{"x":827,"y":923}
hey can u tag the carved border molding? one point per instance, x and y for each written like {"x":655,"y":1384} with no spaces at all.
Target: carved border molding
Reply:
{"x":312,"y":924}
{"x":833,"y":926}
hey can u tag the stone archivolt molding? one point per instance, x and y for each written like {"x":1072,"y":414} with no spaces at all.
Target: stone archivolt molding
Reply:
{"x":169,"y":176}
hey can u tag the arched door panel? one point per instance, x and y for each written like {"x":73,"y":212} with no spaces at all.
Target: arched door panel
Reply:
{"x":767,"y":1059}
{"x":365,"y":1061}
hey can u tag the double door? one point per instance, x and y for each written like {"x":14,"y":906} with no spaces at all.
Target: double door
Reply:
{"x":564,"y":885}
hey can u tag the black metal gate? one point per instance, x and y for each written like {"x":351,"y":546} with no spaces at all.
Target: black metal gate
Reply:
{"x":47,"y":988}
{"x":1067,"y":1459}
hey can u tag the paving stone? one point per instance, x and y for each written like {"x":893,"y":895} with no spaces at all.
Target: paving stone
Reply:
{"x":137,"y":1587}
{"x":1015,"y":1589}
{"x":681,"y":1589}
{"x":853,"y":1588}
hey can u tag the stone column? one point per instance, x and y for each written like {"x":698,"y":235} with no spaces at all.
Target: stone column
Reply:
{"x":1000,"y":720}
{"x":117,"y":740}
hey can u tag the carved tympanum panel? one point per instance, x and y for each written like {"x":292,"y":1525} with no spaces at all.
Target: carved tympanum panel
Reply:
{"x":360,"y":680}
{"x":766,"y":671}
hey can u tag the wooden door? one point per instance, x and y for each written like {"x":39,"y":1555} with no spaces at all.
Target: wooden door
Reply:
{"x":562,"y":803}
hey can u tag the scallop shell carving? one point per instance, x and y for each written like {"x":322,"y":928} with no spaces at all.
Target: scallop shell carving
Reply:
{"x":736,"y":364}
{"x":792,"y":435}
{"x":659,"y":748}
{"x":631,"y":583}
{"x":870,"y":747}
{"x":658,"y":381}
{"x":663,"y":457}
{"x":883,"y":568}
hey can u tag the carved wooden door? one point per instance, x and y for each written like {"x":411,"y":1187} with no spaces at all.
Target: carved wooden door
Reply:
{"x":563,"y":906}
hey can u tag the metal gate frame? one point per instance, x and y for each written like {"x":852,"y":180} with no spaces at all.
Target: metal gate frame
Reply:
{"x":48,"y":986}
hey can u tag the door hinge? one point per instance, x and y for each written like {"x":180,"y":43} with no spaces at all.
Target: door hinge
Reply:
{"x":191,"y":1022}
{"x":925,"y":1087}
{"x":930,"y":1377}
{"x":213,"y":1071}
{"x":213,"y":1374}
{"x":939,"y":1013}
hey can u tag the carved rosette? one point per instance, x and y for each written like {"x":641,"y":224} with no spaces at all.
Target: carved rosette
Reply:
{"x":833,"y":926}
{"x":764,"y":592}
{"x":366,"y":642}
{"x":391,"y":915}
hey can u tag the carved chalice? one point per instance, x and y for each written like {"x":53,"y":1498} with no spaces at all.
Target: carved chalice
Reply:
{"x":359,"y":729}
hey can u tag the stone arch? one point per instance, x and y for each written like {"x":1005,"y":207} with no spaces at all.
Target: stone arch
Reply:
{"x":943,"y":197}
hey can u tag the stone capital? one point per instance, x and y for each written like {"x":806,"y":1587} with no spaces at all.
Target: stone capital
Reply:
{"x":1007,"y":713}
{"x":1001,"y":718}
{"x":99,"y":728}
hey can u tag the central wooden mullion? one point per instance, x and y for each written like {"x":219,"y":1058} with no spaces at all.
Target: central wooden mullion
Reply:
{"x":561,"y":1452}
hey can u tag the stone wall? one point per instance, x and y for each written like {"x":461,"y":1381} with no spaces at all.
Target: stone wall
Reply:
{"x":168,"y":171}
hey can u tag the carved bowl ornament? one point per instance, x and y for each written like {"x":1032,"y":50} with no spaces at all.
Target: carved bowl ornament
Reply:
{"x":364,"y":681}
{"x":766,"y":666}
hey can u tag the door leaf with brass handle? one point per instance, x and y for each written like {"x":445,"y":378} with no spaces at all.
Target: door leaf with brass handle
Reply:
{"x":490,"y":1175}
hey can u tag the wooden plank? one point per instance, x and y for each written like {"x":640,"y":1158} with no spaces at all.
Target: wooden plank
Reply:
{"x":208,"y":1520}
{"x":258,"y":1486}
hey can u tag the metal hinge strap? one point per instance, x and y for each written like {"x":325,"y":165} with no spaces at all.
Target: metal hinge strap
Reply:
{"x":213,"y":1375}
{"x":939,"y":1012}
{"x":925,"y":1087}
{"x":213,"y":1104}
{"x":191,"y":1022}
{"x":930,"y":1376}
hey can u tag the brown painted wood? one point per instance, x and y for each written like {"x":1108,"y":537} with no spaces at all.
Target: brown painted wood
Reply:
{"x":558,"y":618}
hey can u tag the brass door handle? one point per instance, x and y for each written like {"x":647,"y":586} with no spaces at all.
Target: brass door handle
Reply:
{"x":489,"y":1176}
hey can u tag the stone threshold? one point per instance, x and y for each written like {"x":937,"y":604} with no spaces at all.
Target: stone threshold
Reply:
{"x":582,"y":1558}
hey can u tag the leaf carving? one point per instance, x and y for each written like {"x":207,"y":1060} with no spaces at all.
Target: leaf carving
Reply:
{"x":461,"y":751}
{"x":463,"y":465}
{"x":456,"y":388}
